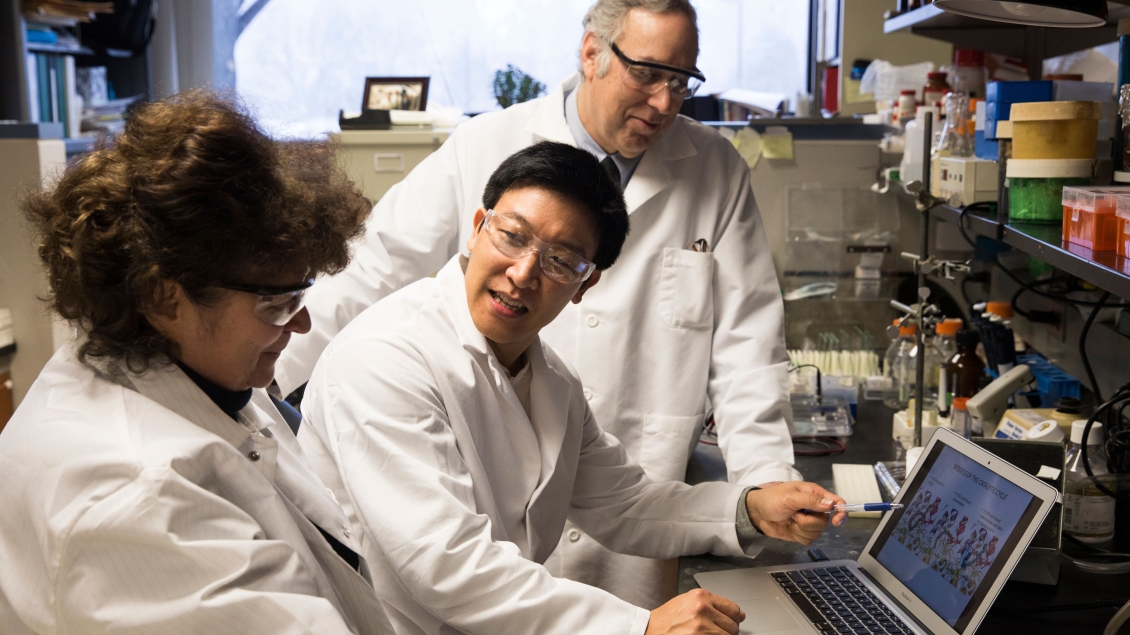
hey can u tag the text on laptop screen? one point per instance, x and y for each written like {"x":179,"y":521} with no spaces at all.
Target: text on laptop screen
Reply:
{"x":960,"y":524}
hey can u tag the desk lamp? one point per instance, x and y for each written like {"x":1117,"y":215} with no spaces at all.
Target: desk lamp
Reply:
{"x":1060,"y":13}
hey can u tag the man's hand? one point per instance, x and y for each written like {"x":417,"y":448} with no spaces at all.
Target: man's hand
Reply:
{"x":696,"y":612}
{"x":777,"y":512}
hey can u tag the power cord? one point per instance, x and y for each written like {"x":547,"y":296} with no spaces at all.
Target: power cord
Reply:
{"x":1083,"y":346}
{"x":1029,"y":287}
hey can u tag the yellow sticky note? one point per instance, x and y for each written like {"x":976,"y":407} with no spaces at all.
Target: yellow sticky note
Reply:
{"x":777,"y":143}
{"x":748,"y":144}
{"x":852,"y":94}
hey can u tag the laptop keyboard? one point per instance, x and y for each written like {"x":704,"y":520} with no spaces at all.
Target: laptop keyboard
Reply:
{"x":835,"y":601}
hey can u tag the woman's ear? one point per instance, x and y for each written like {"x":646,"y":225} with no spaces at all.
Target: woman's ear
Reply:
{"x":167,"y":306}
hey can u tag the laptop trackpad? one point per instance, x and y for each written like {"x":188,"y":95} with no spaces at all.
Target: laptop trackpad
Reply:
{"x":768,"y":615}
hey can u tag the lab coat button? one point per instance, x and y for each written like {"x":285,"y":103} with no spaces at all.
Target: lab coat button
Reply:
{"x":588,"y":394}
{"x":346,"y":532}
{"x":574,"y":535}
{"x":593,"y":321}
{"x":253,"y":455}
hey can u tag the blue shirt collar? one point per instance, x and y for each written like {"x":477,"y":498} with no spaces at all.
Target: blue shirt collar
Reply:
{"x":586,"y":142}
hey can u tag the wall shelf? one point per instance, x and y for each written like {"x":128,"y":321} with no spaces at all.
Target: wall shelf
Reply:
{"x":1014,"y":40}
{"x":40,"y":47}
{"x":1104,"y":269}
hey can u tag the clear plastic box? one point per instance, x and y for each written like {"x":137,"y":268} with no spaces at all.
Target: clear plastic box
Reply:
{"x":1122,"y":226}
{"x":1089,"y":216}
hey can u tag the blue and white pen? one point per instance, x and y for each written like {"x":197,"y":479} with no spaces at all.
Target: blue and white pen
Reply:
{"x":864,"y":507}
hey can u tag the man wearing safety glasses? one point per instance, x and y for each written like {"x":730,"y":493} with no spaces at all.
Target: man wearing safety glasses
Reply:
{"x":458,"y":442}
{"x":687,"y":324}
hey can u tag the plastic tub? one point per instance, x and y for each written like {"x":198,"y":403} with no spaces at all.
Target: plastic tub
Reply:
{"x":1122,"y":226}
{"x":1088,"y":216}
{"x":1035,"y":187}
{"x":1055,"y":129}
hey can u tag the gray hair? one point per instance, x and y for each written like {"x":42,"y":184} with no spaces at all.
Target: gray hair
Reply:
{"x":605,"y":19}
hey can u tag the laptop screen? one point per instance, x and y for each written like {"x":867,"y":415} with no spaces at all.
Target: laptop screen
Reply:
{"x":960,"y":524}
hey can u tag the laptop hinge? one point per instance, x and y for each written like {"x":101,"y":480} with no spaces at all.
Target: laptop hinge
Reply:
{"x":890,"y":596}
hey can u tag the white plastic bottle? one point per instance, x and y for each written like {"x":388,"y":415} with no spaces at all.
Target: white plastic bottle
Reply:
{"x":1088,"y":516}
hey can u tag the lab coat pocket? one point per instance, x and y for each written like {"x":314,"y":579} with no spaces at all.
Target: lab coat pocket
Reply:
{"x":666,"y":447}
{"x":686,"y":298}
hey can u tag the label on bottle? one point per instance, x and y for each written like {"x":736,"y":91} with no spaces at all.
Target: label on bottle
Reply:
{"x":1090,"y":515}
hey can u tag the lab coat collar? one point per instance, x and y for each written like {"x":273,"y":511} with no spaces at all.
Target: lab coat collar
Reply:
{"x":170,"y":387}
{"x":453,"y":295}
{"x":653,"y":174}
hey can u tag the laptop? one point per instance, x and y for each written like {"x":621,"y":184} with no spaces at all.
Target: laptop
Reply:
{"x":933,"y":567}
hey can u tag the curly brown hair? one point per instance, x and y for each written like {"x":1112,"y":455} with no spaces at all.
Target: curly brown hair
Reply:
{"x":194,"y":192}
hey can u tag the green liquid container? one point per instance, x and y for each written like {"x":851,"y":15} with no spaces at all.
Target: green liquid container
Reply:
{"x":1035,"y":187}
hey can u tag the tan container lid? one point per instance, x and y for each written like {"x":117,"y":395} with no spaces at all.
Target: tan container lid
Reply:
{"x":1124,"y":27}
{"x":1055,"y":110}
{"x":1050,"y":168}
{"x":1004,"y":129}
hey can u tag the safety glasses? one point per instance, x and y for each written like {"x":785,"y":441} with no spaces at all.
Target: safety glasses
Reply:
{"x":514,"y":239}
{"x":276,"y":304}
{"x":651,"y":77}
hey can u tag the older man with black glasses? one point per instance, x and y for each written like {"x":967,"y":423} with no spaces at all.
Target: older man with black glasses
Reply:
{"x":688,"y":323}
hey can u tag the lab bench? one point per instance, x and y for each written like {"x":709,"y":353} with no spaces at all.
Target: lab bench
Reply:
{"x":1021,"y":607}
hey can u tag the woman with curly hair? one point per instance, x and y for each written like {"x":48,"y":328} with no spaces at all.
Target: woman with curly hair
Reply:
{"x":148,"y":482}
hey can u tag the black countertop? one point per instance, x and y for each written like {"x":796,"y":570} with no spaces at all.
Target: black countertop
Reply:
{"x":1021,"y":607}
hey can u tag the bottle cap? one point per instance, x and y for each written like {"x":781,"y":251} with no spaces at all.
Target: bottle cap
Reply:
{"x":950,"y":326}
{"x":959,"y":403}
{"x":968,"y":57}
{"x":1046,"y":431}
{"x":1003,"y":309}
{"x":936,"y":75}
{"x":1096,"y":436}
{"x":1069,"y":405}
{"x":909,"y":329}
{"x":967,"y":338}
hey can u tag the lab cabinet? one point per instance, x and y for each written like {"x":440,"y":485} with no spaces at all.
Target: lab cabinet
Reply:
{"x":378,"y":159}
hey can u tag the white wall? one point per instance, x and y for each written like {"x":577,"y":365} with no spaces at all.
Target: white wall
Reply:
{"x":26,"y":164}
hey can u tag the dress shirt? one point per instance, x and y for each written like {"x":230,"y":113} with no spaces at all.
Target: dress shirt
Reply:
{"x":585,"y":141}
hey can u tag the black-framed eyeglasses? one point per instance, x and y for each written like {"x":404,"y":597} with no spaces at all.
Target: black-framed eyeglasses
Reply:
{"x":276,"y":304}
{"x":514,"y":240}
{"x":645,"y":76}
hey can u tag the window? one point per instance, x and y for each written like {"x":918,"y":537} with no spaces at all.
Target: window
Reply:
{"x":299,"y":62}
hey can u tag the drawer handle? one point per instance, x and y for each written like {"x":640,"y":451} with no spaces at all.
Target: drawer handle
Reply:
{"x":399,"y":158}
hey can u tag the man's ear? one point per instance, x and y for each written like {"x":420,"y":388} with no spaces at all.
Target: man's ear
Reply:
{"x":586,"y":285}
{"x":477,"y":223}
{"x":590,"y":50}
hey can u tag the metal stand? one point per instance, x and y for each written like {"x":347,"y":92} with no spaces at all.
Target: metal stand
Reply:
{"x":924,"y":264}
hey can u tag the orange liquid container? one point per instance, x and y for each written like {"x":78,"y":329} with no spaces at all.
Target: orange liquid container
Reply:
{"x":1122,"y":226}
{"x":1089,"y":216}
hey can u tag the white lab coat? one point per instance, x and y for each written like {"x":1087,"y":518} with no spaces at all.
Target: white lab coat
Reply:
{"x":664,"y":328}
{"x":409,"y":411}
{"x":132,"y":506}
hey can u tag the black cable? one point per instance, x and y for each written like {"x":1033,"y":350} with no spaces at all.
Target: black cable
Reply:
{"x":819,"y":388}
{"x":993,"y":259}
{"x":830,"y":445}
{"x":1083,"y":346}
{"x":1113,"y":429}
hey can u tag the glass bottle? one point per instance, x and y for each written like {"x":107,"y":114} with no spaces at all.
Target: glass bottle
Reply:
{"x":934,"y":92}
{"x":1088,"y":515}
{"x":954,"y":141}
{"x":947,"y":348}
{"x":898,"y":367}
{"x":901,"y":365}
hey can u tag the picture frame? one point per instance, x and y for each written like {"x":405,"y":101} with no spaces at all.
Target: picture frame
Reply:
{"x":395,"y":93}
